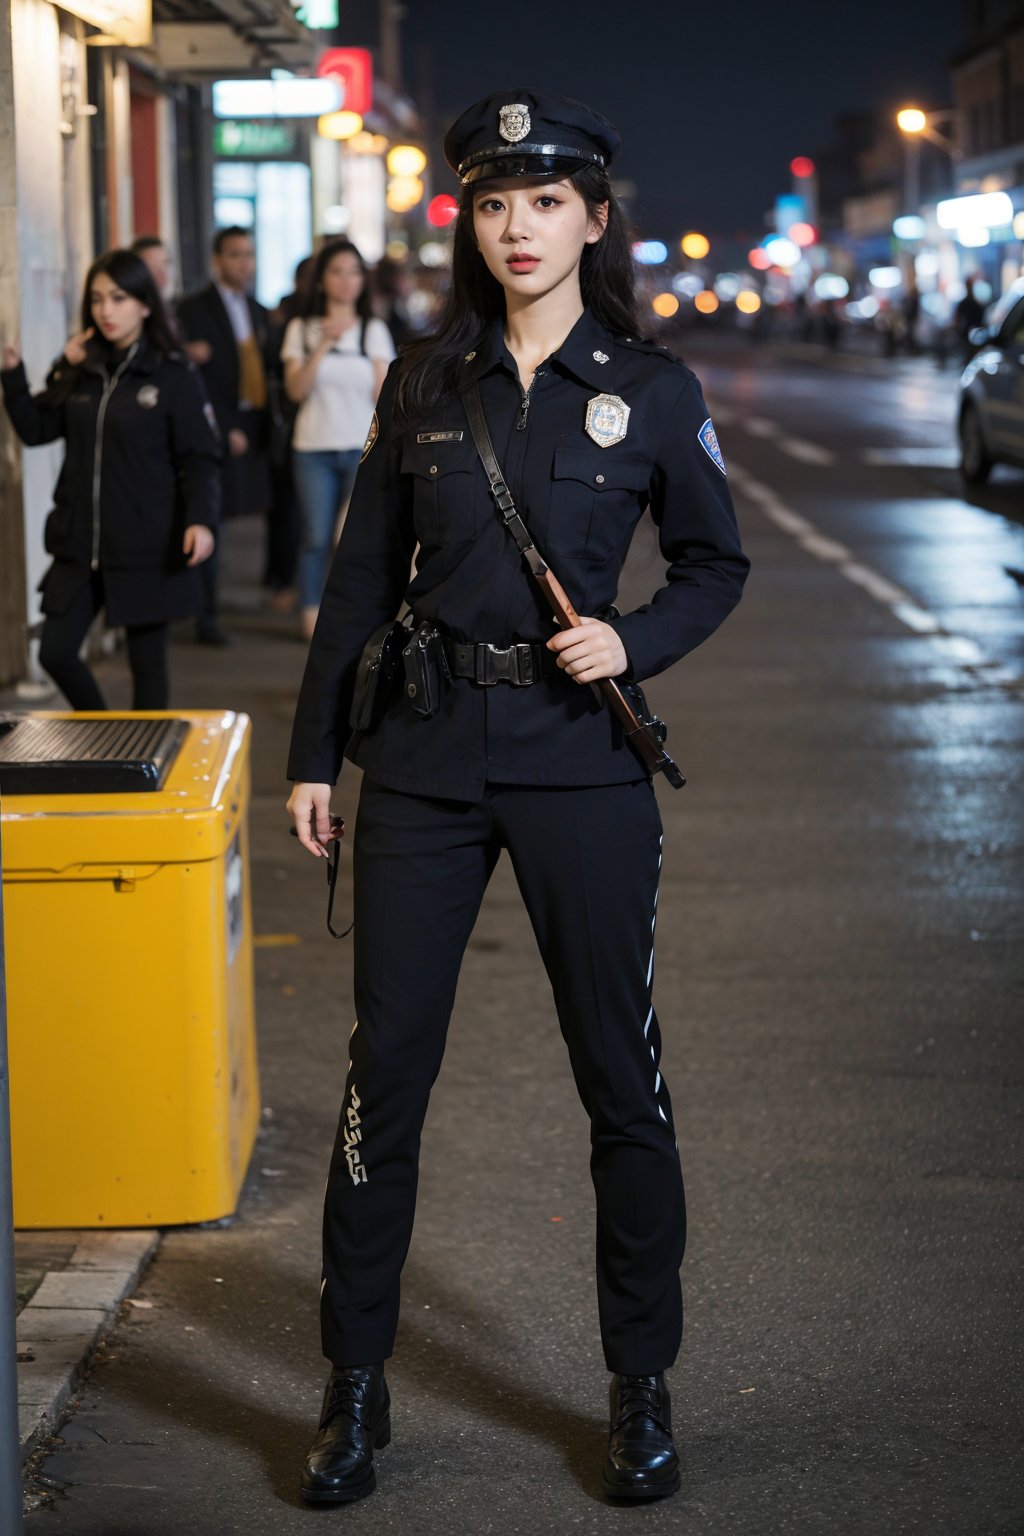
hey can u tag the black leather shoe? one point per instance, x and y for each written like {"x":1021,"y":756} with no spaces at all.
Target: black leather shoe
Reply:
{"x":642,"y":1462}
{"x":354,"y":1421}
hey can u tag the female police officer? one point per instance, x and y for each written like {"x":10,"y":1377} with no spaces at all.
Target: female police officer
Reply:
{"x":591,"y":426}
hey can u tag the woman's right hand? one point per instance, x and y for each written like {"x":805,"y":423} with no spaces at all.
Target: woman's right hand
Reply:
{"x":74,"y":347}
{"x":332,"y":331}
{"x":310,"y":805}
{"x":12,"y":355}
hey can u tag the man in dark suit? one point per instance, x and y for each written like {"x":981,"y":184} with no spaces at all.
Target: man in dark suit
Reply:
{"x":227,"y":336}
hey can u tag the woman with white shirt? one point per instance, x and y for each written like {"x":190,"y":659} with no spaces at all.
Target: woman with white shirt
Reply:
{"x":335,"y":356}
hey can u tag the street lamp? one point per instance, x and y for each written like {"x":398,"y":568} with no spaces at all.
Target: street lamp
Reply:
{"x":911,"y":120}
{"x":917,"y":125}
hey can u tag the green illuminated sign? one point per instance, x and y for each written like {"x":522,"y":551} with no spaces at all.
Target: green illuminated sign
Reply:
{"x":253,"y":140}
{"x":318,"y":15}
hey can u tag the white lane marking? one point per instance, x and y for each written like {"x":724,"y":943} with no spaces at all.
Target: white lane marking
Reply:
{"x":760,"y":426}
{"x":913,"y":458}
{"x":807,"y":453}
{"x":878,"y":586}
{"x":917,"y":618}
{"x":826,"y":549}
{"x":961,"y":649}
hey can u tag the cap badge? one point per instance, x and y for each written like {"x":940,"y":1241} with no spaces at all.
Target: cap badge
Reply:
{"x":600,"y":357}
{"x":514,"y":121}
{"x":607,"y":418}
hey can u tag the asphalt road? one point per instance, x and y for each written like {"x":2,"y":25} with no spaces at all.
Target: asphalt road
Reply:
{"x":839,"y":982}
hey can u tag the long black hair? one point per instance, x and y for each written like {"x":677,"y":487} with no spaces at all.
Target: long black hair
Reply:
{"x":475,"y":299}
{"x":133,"y":277}
{"x":316,"y":299}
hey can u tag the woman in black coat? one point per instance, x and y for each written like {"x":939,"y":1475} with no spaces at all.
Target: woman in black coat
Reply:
{"x":138,"y":497}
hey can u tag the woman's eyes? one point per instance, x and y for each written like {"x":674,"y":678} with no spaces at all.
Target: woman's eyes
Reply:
{"x":495,"y":205}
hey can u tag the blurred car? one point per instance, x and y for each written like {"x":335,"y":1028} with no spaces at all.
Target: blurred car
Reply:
{"x":991,"y":418}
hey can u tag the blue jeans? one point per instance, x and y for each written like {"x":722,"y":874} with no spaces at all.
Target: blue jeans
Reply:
{"x":323,"y":479}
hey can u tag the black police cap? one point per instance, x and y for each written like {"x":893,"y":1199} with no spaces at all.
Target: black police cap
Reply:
{"x":528,"y":133}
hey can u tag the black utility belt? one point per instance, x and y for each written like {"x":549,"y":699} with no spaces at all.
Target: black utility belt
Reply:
{"x":420,"y":662}
{"x":482,"y":662}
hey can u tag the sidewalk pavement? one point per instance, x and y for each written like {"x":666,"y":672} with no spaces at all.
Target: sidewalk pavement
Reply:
{"x":70,"y":1287}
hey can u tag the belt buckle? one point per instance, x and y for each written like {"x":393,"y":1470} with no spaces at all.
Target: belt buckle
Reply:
{"x":524,"y":666}
{"x":486,"y":654}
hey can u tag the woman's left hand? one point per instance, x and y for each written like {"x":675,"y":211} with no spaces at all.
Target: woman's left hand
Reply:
{"x":589,"y":652}
{"x":198,"y":543}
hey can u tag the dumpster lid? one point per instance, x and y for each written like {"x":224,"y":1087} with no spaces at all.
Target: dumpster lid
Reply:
{"x":67,"y":757}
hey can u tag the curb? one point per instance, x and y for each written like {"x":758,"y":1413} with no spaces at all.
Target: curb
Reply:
{"x":72,"y":1310}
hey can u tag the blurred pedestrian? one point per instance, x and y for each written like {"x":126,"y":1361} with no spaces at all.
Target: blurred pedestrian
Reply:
{"x":160,"y":262}
{"x":136,"y":505}
{"x":392,"y":284}
{"x":910,"y":314}
{"x":970,"y":313}
{"x":335,"y":356}
{"x":493,"y":739}
{"x":284,"y":523}
{"x":294,"y":303}
{"x":227,"y":335}
{"x":830,"y":325}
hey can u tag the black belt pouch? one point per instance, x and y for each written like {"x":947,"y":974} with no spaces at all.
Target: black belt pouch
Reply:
{"x":426,"y":669}
{"x":377,"y":677}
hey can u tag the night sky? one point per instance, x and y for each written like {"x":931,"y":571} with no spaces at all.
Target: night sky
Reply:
{"x":712,"y":100}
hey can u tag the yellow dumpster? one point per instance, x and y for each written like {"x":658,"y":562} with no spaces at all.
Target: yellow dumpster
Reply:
{"x":133,"y":1074}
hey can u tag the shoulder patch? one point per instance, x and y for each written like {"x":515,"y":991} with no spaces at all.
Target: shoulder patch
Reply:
{"x":371,"y":436}
{"x":708,"y":439}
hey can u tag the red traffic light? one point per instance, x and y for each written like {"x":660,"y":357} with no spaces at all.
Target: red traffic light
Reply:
{"x":802,"y":167}
{"x":441,"y":210}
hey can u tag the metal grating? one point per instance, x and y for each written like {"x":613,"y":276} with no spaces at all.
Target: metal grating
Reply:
{"x":73,"y":757}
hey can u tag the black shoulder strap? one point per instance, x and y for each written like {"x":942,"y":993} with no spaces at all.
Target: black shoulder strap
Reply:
{"x":362,"y":337}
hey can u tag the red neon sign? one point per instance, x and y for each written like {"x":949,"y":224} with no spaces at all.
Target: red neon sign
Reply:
{"x":353,"y":67}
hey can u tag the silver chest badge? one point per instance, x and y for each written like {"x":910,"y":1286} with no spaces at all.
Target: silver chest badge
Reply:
{"x":607,"y":419}
{"x":514,"y":121}
{"x":148,"y":396}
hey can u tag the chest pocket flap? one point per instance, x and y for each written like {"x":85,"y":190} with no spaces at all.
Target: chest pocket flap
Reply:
{"x":602,"y":469}
{"x":432,"y":461}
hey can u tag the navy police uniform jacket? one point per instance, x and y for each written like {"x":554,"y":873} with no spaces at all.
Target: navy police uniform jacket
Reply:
{"x":581,"y":502}
{"x":141,"y":466}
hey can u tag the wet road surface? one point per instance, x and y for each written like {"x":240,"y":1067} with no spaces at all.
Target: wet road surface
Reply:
{"x":839,"y":984}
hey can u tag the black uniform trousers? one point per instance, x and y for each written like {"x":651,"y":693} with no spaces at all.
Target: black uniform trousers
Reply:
{"x":62,"y":638}
{"x":587,"y":862}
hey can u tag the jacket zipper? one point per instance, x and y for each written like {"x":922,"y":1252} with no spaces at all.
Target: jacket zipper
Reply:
{"x":97,"y":462}
{"x":524,"y":404}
